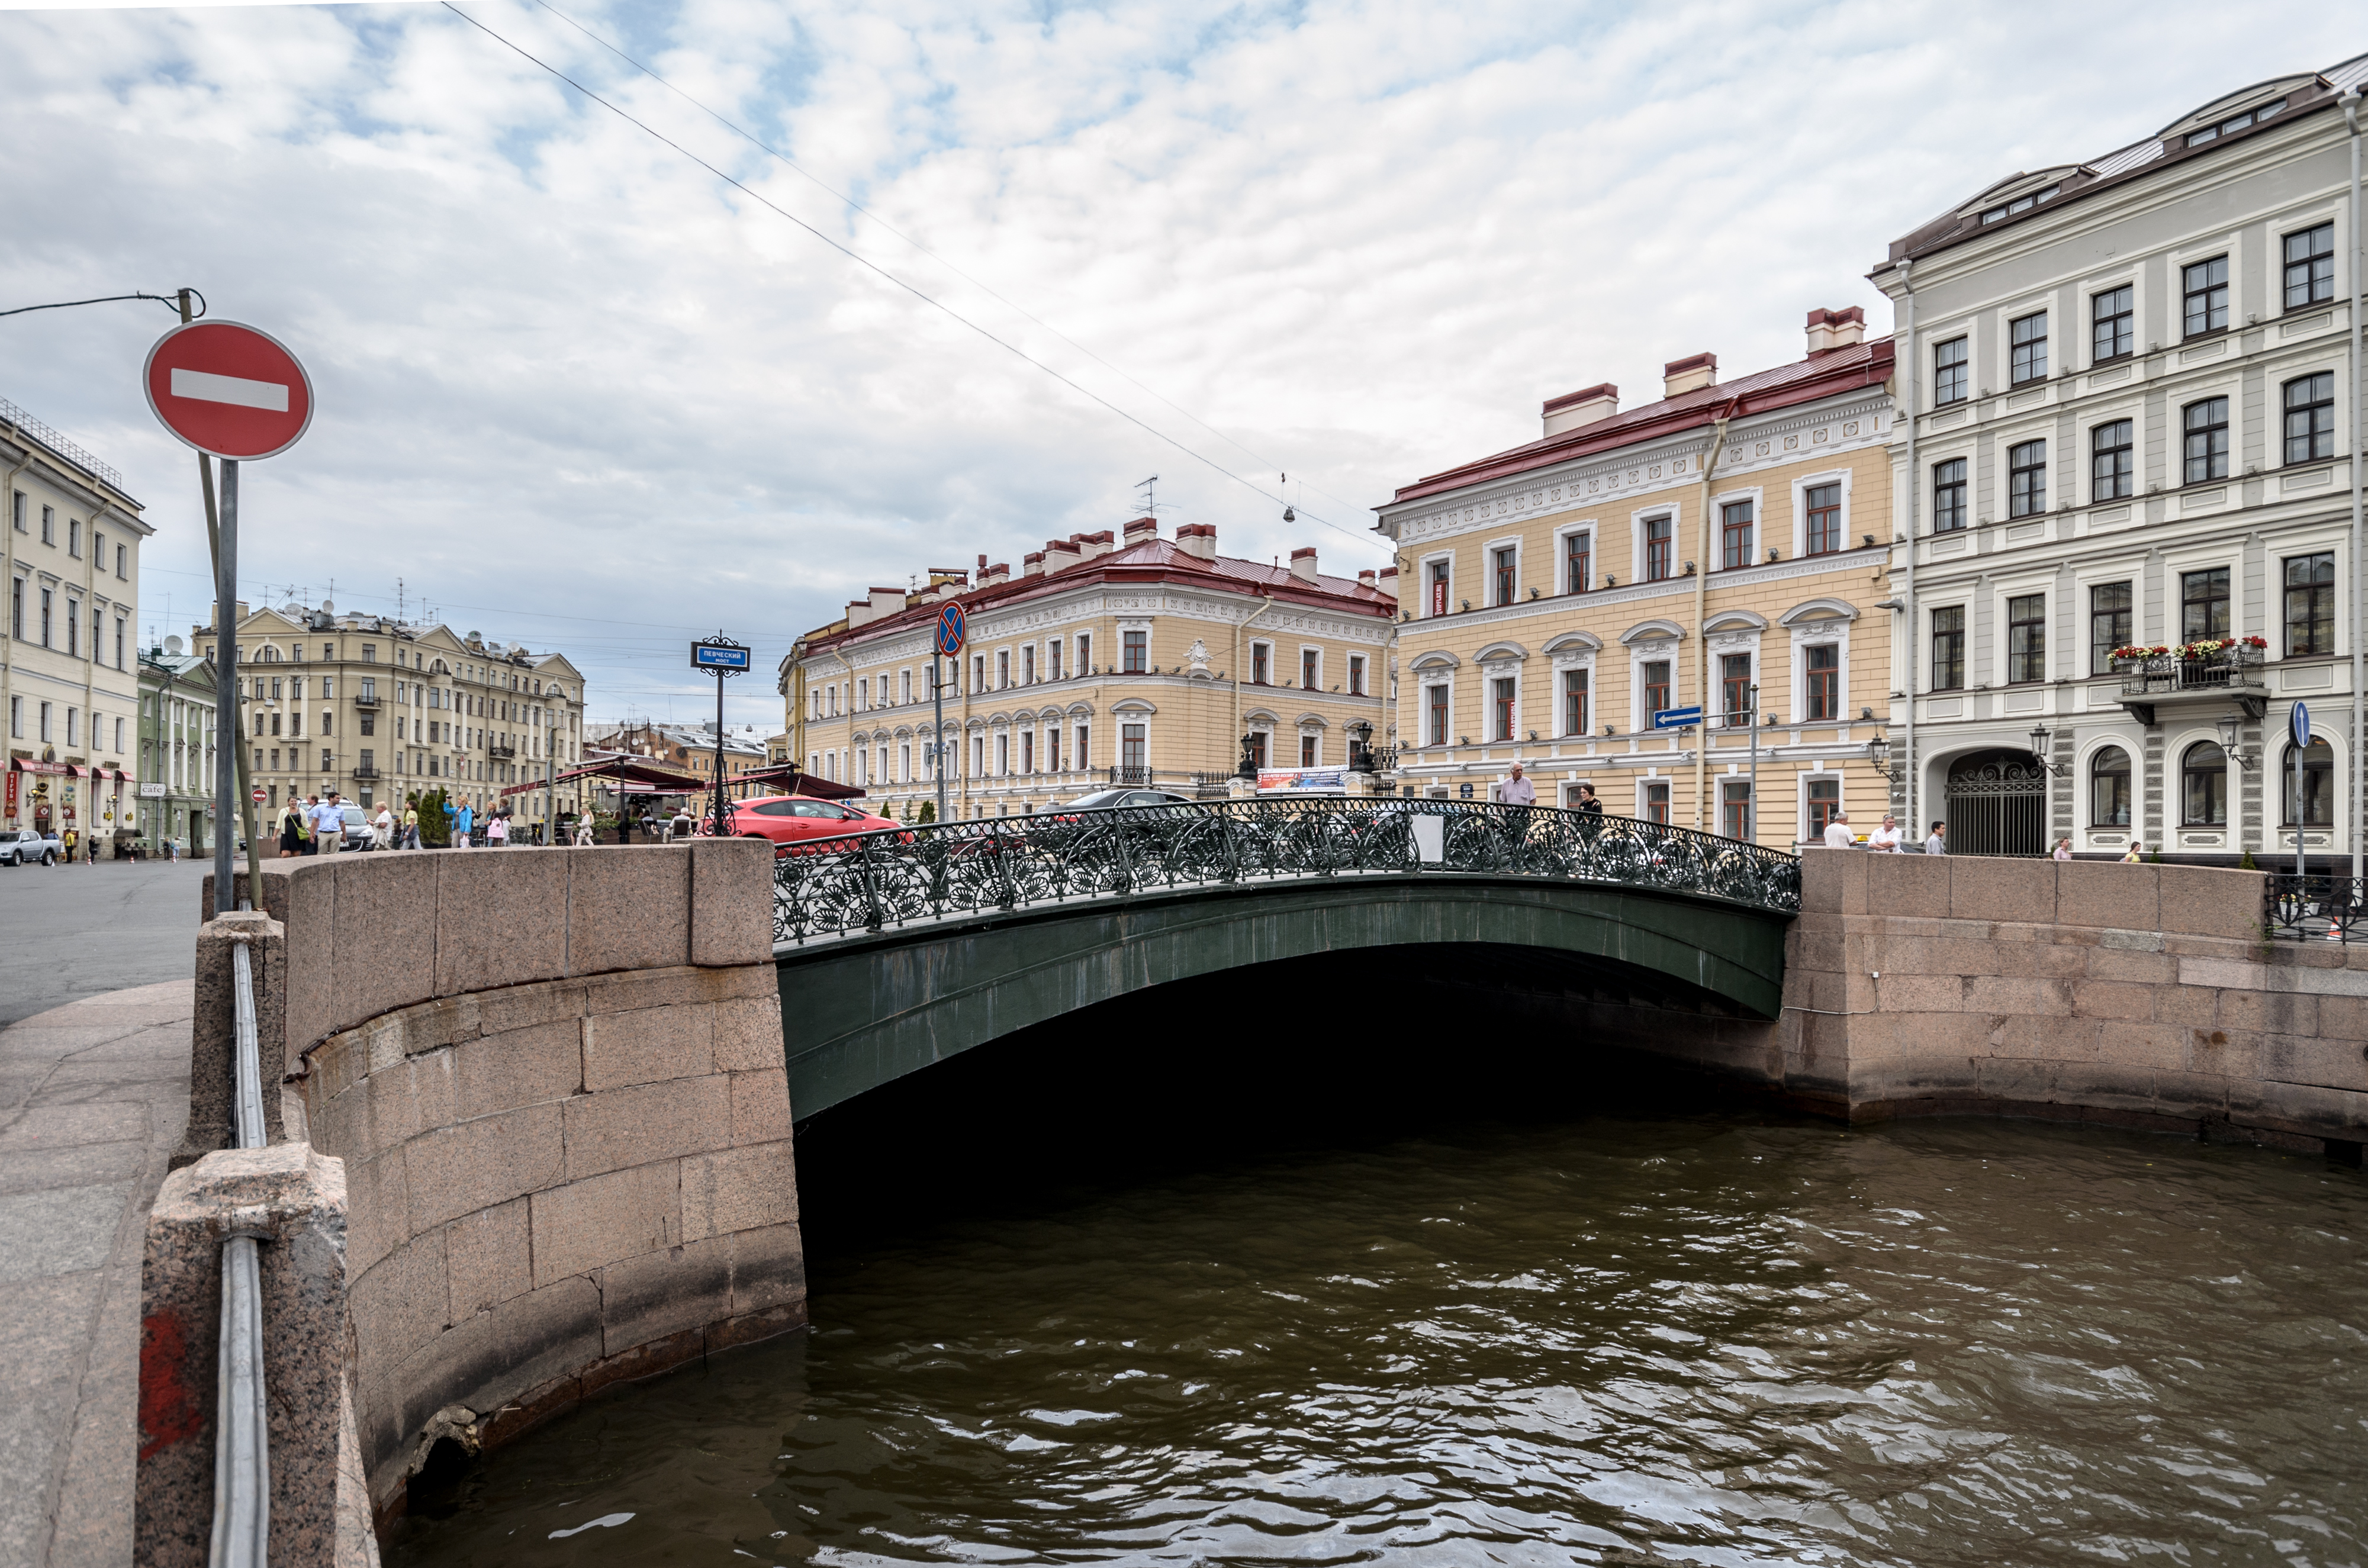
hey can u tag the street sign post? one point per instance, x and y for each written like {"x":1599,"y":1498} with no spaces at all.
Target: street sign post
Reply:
{"x":722,"y":657}
{"x":2300,"y":726}
{"x":256,"y":794}
{"x":953,"y":626}
{"x":1676,"y":717}
{"x":236,"y":393}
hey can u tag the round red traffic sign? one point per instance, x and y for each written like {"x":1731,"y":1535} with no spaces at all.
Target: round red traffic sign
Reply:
{"x":256,"y":794}
{"x":228,"y":388}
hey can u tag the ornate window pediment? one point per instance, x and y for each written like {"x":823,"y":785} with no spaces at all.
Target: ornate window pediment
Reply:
{"x":1656,"y":630}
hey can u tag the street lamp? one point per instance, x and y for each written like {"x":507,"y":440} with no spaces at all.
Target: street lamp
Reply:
{"x":2229,"y":729}
{"x":1878,"y":752}
{"x":2040,"y":737}
{"x":1360,"y":745}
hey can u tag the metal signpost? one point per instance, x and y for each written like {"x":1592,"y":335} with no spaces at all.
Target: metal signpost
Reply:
{"x":722,"y":658}
{"x":2301,"y":744}
{"x":952,"y":627}
{"x":235,"y":394}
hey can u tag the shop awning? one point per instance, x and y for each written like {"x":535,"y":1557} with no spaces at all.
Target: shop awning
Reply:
{"x":632,"y":775}
{"x":789,"y":778}
{"x":27,"y":765}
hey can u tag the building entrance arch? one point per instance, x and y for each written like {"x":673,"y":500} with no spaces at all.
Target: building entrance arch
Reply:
{"x":1997,"y":803}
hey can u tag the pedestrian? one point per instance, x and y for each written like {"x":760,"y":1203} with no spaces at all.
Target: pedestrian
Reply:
{"x":2134,"y":853}
{"x":73,"y":838}
{"x":584,"y":830}
{"x":1588,"y":802}
{"x":464,"y":822}
{"x":330,"y":824}
{"x":1937,"y":843}
{"x":681,"y":825}
{"x":1516,"y":791}
{"x":498,"y":831}
{"x":1837,"y":833}
{"x":2063,"y":849}
{"x":287,"y":829}
{"x":409,"y":837}
{"x":382,"y":828}
{"x":1887,"y":837}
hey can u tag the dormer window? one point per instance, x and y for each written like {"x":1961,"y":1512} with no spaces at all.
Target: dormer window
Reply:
{"x":2020,"y":204}
{"x":2235,"y":123}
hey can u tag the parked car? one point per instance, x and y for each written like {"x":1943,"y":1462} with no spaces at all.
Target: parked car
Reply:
{"x":797,"y":824}
{"x":26,"y":847}
{"x":1103,"y":800}
{"x":357,"y":829}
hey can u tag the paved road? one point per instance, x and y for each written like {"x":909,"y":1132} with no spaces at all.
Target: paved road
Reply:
{"x":93,"y":1098}
{"x":68,"y":932}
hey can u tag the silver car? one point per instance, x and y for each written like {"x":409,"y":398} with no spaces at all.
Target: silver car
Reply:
{"x":25,"y":847}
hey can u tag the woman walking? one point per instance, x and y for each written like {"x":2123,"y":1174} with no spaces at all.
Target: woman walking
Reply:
{"x":292,"y":831}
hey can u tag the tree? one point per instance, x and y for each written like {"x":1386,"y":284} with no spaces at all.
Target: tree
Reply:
{"x":928,"y":810}
{"x":434,"y":827}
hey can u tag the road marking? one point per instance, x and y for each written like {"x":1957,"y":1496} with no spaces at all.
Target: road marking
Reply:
{"x":204,"y":386}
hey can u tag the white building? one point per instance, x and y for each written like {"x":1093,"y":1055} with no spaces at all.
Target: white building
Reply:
{"x":2133,"y":382}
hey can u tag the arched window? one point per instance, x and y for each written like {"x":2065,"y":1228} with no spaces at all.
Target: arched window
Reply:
{"x":2204,"y":786}
{"x":2109,"y":789}
{"x":2317,"y":783}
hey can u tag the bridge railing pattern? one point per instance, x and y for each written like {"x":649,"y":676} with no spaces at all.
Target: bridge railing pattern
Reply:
{"x":869,"y":881}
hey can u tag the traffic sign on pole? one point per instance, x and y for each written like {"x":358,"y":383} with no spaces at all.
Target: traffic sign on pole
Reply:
{"x":228,"y":388}
{"x":256,"y":794}
{"x":2302,"y":725}
{"x":952,"y":627}
{"x":719,"y":658}
{"x":1676,"y":717}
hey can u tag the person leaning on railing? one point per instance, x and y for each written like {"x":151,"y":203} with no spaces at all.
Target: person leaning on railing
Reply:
{"x":1518,"y":793}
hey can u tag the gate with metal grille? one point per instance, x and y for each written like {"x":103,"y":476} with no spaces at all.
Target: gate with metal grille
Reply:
{"x":1998,"y":804}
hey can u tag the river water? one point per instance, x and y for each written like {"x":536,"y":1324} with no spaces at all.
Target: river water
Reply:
{"x":1632,"y":1339}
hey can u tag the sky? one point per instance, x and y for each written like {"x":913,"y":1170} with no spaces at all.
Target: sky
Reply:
{"x":577,"y":392}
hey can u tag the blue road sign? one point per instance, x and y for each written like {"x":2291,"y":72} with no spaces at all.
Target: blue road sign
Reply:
{"x":714,"y":656}
{"x":952,"y":629}
{"x":2302,"y":726}
{"x":1676,"y":717}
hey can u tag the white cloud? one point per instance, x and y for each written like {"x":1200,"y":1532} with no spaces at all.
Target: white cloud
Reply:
{"x":567,"y":377}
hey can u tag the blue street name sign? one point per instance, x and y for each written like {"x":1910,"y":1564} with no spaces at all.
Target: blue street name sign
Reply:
{"x":708,"y":656}
{"x":952,"y":629}
{"x":2302,"y":726}
{"x":1676,"y":717}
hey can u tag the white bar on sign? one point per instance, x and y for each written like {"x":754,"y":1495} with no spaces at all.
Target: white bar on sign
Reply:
{"x":204,"y":386}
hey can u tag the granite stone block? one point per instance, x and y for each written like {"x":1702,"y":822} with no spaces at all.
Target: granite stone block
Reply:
{"x":588,"y":1224}
{"x":768,"y":1270}
{"x":1981,"y":888}
{"x":528,"y":943}
{"x":645,"y":1360}
{"x":2107,"y":894}
{"x":2193,"y":1005}
{"x":2000,"y":994}
{"x":739,"y":1191}
{"x":379,"y":1208}
{"x":2112,"y":999}
{"x":628,"y":907}
{"x":486,"y":1360}
{"x":400,"y":1303}
{"x":2279,"y":1012}
{"x":2328,"y":1064}
{"x":535,"y":1065}
{"x":760,"y":1106}
{"x":650,"y":1121}
{"x":731,"y":901}
{"x":1834,"y":880}
{"x":2155,"y":969}
{"x":313,"y":955}
{"x":664,"y":1293}
{"x":489,"y":1258}
{"x":453,"y":1171}
{"x":753,"y":1328}
{"x":649,"y":1046}
{"x":2205,"y":901}
{"x":1898,"y":993}
{"x":1908,"y":885}
{"x":2227,"y":1054}
{"x":389,"y":961}
{"x":526,"y":1006}
{"x":749,"y":1033}
{"x":2148,"y":1047}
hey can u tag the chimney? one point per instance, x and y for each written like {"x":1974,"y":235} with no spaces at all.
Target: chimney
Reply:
{"x":1198,"y":540}
{"x":1032,"y":564}
{"x":859,"y":613}
{"x":1693,"y":371}
{"x":1830,"y":330}
{"x":886,"y":602}
{"x":1142,"y":531}
{"x":1303,"y":564}
{"x":982,"y":568}
{"x":1389,"y":579}
{"x":1365,"y":578}
{"x":992,"y":576}
{"x":1060,"y":554}
{"x":1584,"y":406}
{"x":1092,"y":545}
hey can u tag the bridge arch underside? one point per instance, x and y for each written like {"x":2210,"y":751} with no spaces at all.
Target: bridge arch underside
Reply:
{"x":861,"y":1012}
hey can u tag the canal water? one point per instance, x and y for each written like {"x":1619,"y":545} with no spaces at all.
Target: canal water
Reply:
{"x":1642,"y":1335}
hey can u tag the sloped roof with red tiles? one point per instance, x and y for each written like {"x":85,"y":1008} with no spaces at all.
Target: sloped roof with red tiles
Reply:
{"x":1827,"y":374}
{"x":1153,"y":561}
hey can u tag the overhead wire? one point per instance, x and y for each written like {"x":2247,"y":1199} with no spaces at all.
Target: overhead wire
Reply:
{"x":834,"y":193}
{"x":865,"y":262}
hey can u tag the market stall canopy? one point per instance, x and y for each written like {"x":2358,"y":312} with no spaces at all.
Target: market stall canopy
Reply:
{"x":631,"y":775}
{"x":788,"y":778}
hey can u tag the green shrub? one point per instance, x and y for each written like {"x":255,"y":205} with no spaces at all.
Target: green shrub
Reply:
{"x":434,"y":827}
{"x":928,"y":810}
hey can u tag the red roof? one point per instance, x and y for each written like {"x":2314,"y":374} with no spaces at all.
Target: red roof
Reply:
{"x":1804,"y":380}
{"x":1153,"y":561}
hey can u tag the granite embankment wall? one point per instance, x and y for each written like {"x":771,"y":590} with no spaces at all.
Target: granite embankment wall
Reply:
{"x":554,"y":1078}
{"x":2139,"y":995}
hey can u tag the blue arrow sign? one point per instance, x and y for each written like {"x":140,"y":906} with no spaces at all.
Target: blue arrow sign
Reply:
{"x":1676,"y":717}
{"x":2302,"y":726}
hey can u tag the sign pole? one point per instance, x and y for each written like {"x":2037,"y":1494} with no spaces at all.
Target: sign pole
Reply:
{"x":1751,"y":807}
{"x":2300,"y":726}
{"x":226,"y":735}
{"x":938,"y":735}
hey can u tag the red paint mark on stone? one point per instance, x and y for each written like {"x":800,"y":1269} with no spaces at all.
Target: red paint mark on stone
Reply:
{"x":169,"y":1412}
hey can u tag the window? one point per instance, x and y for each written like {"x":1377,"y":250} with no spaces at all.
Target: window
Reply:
{"x":2026,"y":638}
{"x":1949,"y":649}
{"x":1575,"y":551}
{"x":1084,"y":653}
{"x":16,"y":717}
{"x":99,"y":549}
{"x":45,"y":721}
{"x":2109,"y":789}
{"x":48,"y":526}
{"x":1307,"y":751}
{"x":1501,"y":563}
{"x":904,"y":678}
{"x":1657,"y":541}
{"x":1735,"y":808}
{"x":45,"y":618}
{"x":2204,"y":786}
{"x":16,"y":509}
{"x":1259,"y":653}
{"x":1026,"y":751}
{"x":1504,"y":690}
{"x":1656,"y":799}
{"x":1735,"y":534}
{"x":2206,"y":426}
{"x":1435,"y":699}
{"x":1054,"y":653}
{"x":1003,"y":666}
{"x":978,"y":672}
{"x":2310,"y":267}
{"x":1310,"y":674}
{"x":2112,"y":474}
{"x":1952,"y":371}
{"x":1949,"y":496}
{"x":2235,"y":123}
{"x":2027,"y":340}
{"x":1028,"y":665}
{"x":1824,"y":505}
{"x":17,"y":608}
{"x":863,"y":695}
{"x":73,"y":538}
{"x":2203,"y":286}
{"x":2310,"y":417}
{"x":2110,"y":317}
{"x":2109,"y":624}
{"x":118,"y":641}
{"x":1574,"y":702}
{"x":1657,"y":689}
{"x":1356,"y":675}
{"x":1085,"y":758}
{"x":2026,"y":479}
{"x":1734,"y":686}
{"x":74,"y":629}
{"x":1132,"y":749}
{"x":73,"y":715}
{"x":2005,"y":210}
{"x":2203,"y":604}
{"x":2318,"y":784}
{"x":2310,"y":604}
{"x":121,"y":552}
{"x":1257,"y":748}
{"x":1439,"y":587}
{"x":1825,"y":803}
{"x":1823,"y":681}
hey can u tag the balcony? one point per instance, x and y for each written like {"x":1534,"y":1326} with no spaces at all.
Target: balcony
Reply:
{"x":367,"y":699}
{"x":365,"y":772}
{"x":501,"y":753}
{"x":2230,"y":673}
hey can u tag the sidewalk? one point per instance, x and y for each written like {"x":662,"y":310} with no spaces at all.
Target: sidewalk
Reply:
{"x":93,"y":1098}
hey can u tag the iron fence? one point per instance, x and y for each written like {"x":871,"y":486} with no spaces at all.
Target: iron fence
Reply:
{"x":2156,"y":674}
{"x":2315,"y":906}
{"x":868,"y":882}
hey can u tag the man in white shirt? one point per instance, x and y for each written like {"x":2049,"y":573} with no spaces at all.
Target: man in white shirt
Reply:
{"x":1887,"y":837}
{"x":1516,"y":791}
{"x":1837,"y":833}
{"x":1937,"y":843}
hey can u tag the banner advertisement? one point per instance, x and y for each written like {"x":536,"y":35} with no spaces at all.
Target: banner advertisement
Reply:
{"x":1302,"y":781}
{"x":13,"y":777}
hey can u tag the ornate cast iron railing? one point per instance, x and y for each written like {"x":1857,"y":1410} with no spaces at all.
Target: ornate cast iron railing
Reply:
{"x":2313,"y":907}
{"x":835,"y":887}
{"x":2161,"y":674}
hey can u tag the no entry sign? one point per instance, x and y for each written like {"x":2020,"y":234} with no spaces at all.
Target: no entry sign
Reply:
{"x":229,"y":390}
{"x":256,"y":794}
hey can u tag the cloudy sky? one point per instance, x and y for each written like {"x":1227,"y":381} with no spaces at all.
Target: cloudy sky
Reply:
{"x":576,"y":391}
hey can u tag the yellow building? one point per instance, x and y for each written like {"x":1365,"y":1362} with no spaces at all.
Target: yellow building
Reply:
{"x":1731,"y":536}
{"x":1134,"y":661}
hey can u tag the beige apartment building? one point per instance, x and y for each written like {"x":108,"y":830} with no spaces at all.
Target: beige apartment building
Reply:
{"x":379,"y":709}
{"x":70,"y":665}
{"x":1134,"y":659}
{"x":1732,"y":535}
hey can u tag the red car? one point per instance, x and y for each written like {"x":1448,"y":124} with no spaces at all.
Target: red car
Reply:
{"x":793,"y":821}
